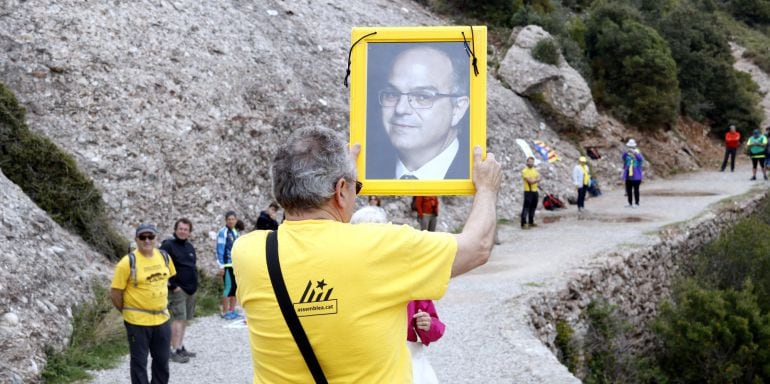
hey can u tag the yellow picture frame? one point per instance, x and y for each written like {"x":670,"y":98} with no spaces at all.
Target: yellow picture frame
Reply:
{"x":399,"y":92}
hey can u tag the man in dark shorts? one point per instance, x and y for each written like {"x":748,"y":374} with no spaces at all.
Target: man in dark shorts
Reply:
{"x":181,"y":287}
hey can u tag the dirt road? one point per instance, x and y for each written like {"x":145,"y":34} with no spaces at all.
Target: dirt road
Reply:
{"x":487,"y":339}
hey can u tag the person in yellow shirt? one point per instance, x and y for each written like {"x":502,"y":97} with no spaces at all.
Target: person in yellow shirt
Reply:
{"x":348,"y":285}
{"x":531,"y":178}
{"x":139,"y":290}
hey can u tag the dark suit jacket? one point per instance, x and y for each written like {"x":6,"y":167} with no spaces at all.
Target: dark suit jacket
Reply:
{"x":381,"y":162}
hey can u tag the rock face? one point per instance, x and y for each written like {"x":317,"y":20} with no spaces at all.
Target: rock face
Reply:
{"x":561,"y":86}
{"x":175,"y":108}
{"x":45,"y":272}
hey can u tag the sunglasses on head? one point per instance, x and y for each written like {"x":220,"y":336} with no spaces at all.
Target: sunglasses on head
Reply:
{"x":144,"y":237}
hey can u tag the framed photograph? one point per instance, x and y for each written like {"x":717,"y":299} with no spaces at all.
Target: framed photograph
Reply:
{"x":418,"y":107}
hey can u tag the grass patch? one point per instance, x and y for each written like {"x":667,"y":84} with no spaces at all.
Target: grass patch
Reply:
{"x":98,"y":341}
{"x":209,"y":294}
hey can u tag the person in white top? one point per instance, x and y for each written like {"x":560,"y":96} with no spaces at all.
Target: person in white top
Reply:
{"x":581,"y":177}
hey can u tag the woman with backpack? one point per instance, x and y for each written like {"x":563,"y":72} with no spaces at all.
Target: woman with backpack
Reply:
{"x":632,"y":172}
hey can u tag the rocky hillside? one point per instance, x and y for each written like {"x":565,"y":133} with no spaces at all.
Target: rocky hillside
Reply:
{"x":174,"y":108}
{"x":44,"y":274}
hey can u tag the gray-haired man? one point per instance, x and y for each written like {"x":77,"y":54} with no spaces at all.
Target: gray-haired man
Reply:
{"x":350,"y":283}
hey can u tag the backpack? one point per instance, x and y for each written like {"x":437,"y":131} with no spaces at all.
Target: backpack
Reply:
{"x":551,"y":202}
{"x":132,"y":264}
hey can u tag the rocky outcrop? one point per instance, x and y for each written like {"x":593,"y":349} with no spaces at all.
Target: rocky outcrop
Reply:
{"x":561,"y":86}
{"x":45,"y":273}
{"x":636,"y":280}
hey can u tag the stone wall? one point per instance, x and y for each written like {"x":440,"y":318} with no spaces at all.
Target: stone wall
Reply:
{"x":636,"y":280}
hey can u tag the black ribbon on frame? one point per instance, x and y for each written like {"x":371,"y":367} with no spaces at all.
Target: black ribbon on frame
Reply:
{"x":471,"y":50}
{"x":350,"y":53}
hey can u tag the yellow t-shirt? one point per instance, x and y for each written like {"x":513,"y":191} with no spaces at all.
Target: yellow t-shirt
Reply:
{"x":529,"y":173}
{"x":151,"y":291}
{"x":350,"y":285}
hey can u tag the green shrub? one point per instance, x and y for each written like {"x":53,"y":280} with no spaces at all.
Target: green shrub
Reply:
{"x":546,"y":51}
{"x":714,"y":336}
{"x":609,"y":357}
{"x":634,"y":73}
{"x":52,"y":180}
{"x":739,"y":255}
{"x":98,"y":341}
{"x":566,"y":344}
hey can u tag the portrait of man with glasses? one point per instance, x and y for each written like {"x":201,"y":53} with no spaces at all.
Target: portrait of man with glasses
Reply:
{"x":417,"y":107}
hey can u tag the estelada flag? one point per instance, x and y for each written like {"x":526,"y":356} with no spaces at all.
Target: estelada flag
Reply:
{"x":547,"y":153}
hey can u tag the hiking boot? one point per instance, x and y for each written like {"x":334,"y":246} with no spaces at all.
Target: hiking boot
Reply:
{"x":765,"y":177}
{"x":533,"y":225}
{"x":184,"y":352}
{"x":525,"y":226}
{"x":179,"y":358}
{"x":753,"y":178}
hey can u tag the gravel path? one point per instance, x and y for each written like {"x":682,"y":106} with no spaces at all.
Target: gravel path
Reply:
{"x":487,"y":339}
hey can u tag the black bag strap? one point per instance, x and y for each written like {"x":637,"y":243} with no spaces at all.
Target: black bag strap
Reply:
{"x":287,"y":308}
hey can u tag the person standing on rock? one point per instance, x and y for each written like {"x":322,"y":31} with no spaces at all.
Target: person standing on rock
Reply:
{"x":139,"y":290}
{"x":732,"y":141}
{"x":349,"y":284}
{"x":531,"y":178}
{"x":757,"y":145}
{"x":182,"y":287}
{"x":581,"y":177}
{"x":632,"y":172}
{"x":427,"y":212}
{"x":225,"y":240}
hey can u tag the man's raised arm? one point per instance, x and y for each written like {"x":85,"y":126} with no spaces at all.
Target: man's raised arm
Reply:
{"x":474,"y":243}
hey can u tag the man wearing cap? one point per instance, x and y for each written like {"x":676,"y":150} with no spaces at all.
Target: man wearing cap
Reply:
{"x":632,"y":172}
{"x":732,"y":141}
{"x":139,"y":291}
{"x":581,"y":177}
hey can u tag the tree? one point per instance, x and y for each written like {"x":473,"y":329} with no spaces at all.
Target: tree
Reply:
{"x":710,"y":87}
{"x":634,"y":73}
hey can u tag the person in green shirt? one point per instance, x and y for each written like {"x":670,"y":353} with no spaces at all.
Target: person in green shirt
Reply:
{"x":757,"y":146}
